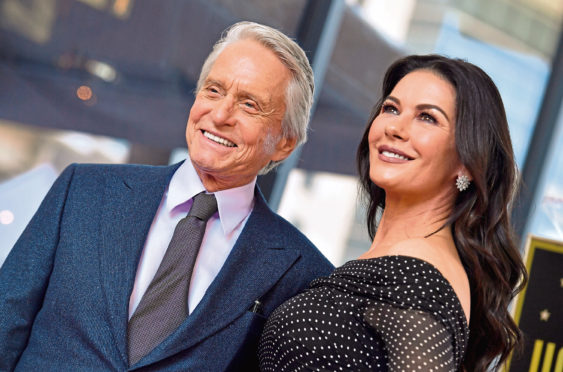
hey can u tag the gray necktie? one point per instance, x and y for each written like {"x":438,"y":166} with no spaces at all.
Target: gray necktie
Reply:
{"x":164,"y":306}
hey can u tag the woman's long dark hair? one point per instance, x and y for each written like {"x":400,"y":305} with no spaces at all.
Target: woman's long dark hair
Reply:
{"x":480,"y":220}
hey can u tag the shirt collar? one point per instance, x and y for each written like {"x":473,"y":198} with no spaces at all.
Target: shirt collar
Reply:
{"x":234,"y":204}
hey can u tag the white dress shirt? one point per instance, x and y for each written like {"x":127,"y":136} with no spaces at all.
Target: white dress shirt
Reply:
{"x":223,"y":230}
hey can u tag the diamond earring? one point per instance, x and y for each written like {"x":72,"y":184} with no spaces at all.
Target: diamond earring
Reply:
{"x":462,"y":182}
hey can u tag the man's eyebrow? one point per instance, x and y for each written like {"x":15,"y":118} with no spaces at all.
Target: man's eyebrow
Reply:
{"x":263,"y":101}
{"x":212,"y":82}
{"x":260,"y":101}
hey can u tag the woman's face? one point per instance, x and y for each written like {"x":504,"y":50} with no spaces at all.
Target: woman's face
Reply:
{"x":412,"y":139}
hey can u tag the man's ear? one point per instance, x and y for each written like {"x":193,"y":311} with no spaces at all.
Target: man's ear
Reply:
{"x":284,"y":148}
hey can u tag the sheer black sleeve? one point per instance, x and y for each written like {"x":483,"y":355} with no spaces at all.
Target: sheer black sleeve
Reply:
{"x":413,"y":339}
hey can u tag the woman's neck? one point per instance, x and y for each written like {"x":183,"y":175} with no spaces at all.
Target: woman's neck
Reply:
{"x":402,"y":220}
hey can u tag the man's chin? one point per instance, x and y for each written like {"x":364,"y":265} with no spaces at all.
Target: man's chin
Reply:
{"x":210,"y":165}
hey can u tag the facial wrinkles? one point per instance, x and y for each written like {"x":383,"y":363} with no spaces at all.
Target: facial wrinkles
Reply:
{"x":242,"y":74}
{"x":266,"y":106}
{"x":268,"y":143}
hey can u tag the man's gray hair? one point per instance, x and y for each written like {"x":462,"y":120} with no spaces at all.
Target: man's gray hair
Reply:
{"x":300,"y":89}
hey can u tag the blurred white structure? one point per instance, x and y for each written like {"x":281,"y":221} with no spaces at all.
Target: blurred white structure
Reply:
{"x":322,"y":206}
{"x":19,"y":199}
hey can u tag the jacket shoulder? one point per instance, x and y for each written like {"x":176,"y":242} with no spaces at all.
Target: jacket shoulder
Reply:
{"x":121,"y":170}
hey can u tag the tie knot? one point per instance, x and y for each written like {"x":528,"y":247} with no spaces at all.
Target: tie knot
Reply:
{"x":204,"y":206}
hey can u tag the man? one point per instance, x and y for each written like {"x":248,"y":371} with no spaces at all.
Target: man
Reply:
{"x":94,"y":282}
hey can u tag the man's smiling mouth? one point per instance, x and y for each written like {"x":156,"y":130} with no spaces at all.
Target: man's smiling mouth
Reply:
{"x":219,"y":140}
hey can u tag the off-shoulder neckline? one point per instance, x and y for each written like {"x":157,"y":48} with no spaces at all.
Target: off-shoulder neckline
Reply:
{"x":426,"y":263}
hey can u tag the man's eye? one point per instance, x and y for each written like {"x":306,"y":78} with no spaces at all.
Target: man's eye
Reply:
{"x":250,"y":106}
{"x":212,"y":90}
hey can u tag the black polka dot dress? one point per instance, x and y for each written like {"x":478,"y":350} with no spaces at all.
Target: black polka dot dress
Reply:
{"x":391,"y":313}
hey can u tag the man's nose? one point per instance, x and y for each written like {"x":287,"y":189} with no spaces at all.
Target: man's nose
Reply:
{"x":223,"y":112}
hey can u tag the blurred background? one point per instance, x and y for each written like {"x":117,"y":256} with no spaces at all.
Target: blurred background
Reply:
{"x":112,"y":81}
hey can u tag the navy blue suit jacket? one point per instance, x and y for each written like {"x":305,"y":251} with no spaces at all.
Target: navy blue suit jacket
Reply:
{"x":65,"y":286}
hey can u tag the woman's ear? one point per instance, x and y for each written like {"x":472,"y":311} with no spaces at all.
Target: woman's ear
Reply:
{"x":463,"y":179}
{"x":462,"y":171}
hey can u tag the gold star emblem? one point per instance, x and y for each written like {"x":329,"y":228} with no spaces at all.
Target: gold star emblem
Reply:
{"x":544,"y":315}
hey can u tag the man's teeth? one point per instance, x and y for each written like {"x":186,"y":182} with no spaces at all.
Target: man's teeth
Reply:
{"x":393,"y":155}
{"x":220,"y":140}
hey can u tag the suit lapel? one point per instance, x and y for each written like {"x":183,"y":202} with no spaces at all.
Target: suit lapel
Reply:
{"x":129,"y":206}
{"x":257,"y":261}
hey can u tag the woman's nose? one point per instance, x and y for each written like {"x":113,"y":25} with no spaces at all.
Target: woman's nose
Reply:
{"x":397,"y":127}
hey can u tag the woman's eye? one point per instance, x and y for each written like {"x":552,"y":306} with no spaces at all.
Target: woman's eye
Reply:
{"x":389,"y":109}
{"x":427,"y":117}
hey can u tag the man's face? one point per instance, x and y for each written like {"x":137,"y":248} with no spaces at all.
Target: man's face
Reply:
{"x":234,"y":127}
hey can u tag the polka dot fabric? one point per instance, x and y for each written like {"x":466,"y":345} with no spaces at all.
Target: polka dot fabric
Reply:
{"x":391,"y":313}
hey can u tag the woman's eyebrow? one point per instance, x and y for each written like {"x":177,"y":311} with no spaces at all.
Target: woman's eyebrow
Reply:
{"x":426,"y":106}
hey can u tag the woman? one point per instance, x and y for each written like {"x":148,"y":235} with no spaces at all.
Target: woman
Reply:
{"x":431,"y":294}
